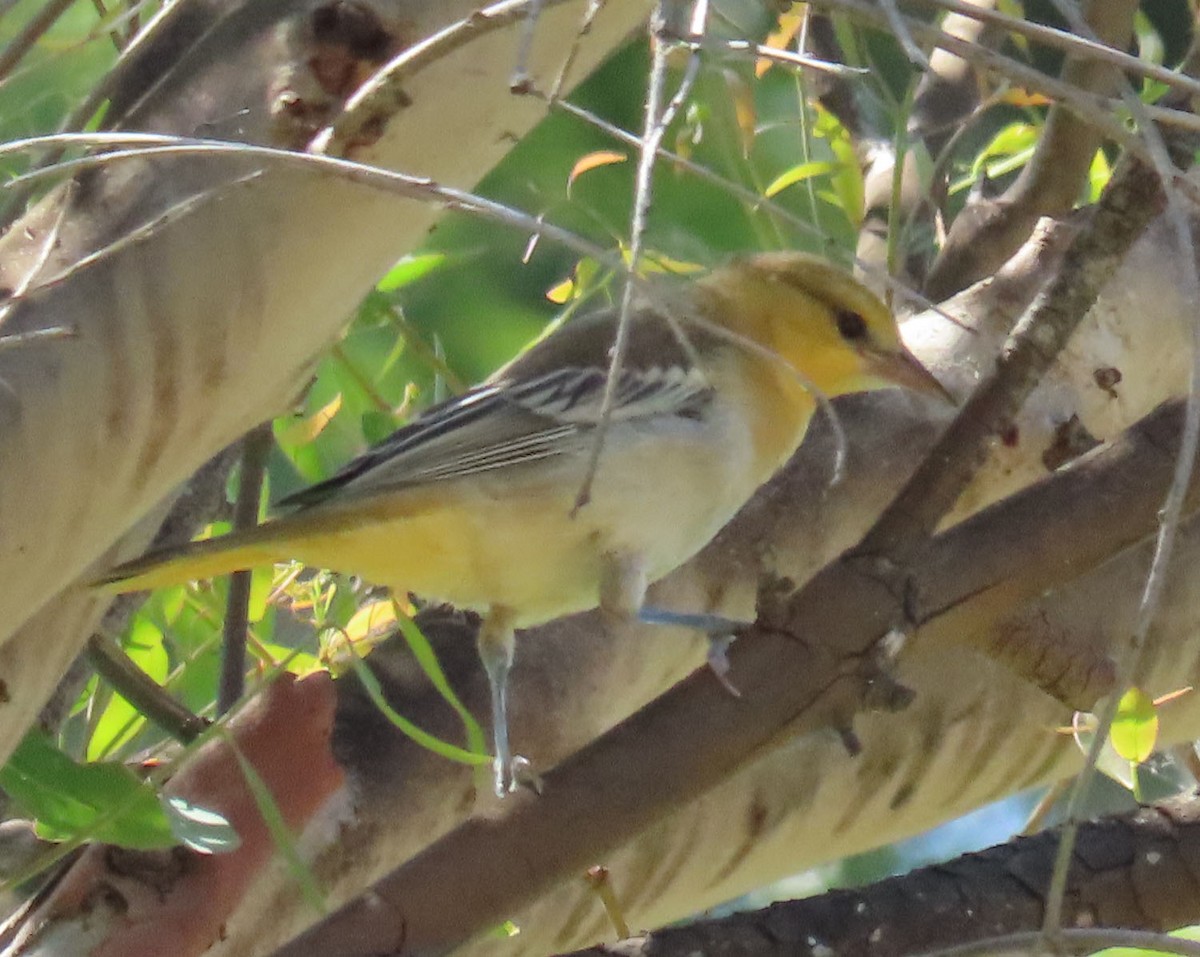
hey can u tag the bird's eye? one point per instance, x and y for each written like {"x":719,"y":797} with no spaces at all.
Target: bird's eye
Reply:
{"x":851,"y":326}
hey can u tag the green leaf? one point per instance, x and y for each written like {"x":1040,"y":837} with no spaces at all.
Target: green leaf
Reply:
{"x":1150,"y":44}
{"x":1014,"y":141}
{"x":285,"y":841}
{"x":797,"y":174}
{"x":409,"y":270}
{"x":1135,"y":729}
{"x":406,"y":727}
{"x":262,"y":581}
{"x":847,"y":181}
{"x":105,"y":802}
{"x":293,"y":659}
{"x":426,"y":657}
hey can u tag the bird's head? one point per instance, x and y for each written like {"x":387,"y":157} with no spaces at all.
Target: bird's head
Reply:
{"x":821,"y":320}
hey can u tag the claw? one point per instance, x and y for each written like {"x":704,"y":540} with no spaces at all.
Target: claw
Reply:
{"x":524,"y":776}
{"x":718,"y":660}
{"x":721,"y":634}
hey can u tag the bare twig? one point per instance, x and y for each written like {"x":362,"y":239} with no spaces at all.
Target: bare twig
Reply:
{"x":33,"y":31}
{"x":589,"y":17}
{"x":1080,"y":46}
{"x":382,"y":96}
{"x":900,"y":32}
{"x":990,"y":230}
{"x":142,"y":691}
{"x":1130,"y":659}
{"x":151,"y":145}
{"x":521,"y":79}
{"x":1075,"y":941}
{"x":255,"y":448}
{"x":658,"y":118}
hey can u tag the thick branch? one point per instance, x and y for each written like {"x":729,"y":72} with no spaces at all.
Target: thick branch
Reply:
{"x":1130,"y":202}
{"x":1135,"y":871}
{"x":696,"y":734}
{"x":988,"y":232}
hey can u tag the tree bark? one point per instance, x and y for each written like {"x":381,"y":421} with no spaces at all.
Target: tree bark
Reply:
{"x":190,"y":335}
{"x":210,"y":325}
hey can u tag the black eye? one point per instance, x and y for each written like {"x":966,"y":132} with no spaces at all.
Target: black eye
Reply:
{"x":851,"y":326}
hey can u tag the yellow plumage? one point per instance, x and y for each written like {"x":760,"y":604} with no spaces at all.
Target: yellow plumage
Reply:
{"x":473,"y":502}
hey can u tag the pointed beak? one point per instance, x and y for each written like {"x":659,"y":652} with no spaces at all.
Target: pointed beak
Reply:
{"x":903,"y":369}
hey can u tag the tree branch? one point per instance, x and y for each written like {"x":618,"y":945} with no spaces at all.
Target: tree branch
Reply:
{"x":988,"y":232}
{"x":1136,"y":871}
{"x":696,"y":734}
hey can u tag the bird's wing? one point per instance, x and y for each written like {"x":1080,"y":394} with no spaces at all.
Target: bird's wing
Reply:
{"x":507,"y":423}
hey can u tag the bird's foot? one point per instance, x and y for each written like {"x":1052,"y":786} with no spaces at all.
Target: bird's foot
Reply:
{"x":718,"y":659}
{"x":721,"y":634}
{"x":514,"y":773}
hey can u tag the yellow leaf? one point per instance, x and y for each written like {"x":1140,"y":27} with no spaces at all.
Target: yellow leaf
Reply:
{"x":372,"y":621}
{"x":307,"y":429}
{"x":593,"y":161}
{"x":1016,"y":96}
{"x":561,"y":293}
{"x":782,"y":36}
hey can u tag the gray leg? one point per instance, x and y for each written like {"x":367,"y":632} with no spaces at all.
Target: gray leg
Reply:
{"x":721,"y":633}
{"x":496,"y":648}
{"x":711,"y":624}
{"x":623,"y":591}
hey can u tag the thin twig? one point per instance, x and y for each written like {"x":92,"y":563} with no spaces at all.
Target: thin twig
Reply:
{"x":34,"y":30}
{"x":585,"y":27}
{"x":255,"y":448}
{"x":1075,"y":45}
{"x":33,"y":336}
{"x":521,"y":80}
{"x":133,"y":236}
{"x":757,"y":51}
{"x":382,"y":96}
{"x":1080,"y":941}
{"x":656,"y":122}
{"x":47,"y":246}
{"x":1129,"y":660}
{"x":151,"y":145}
{"x":142,"y":691}
{"x":900,"y":32}
{"x":1091,"y":109}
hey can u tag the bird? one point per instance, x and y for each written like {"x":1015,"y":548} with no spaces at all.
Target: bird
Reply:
{"x":477,"y":501}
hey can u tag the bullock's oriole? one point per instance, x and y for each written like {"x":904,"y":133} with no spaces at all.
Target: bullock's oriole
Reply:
{"x":474,"y":501}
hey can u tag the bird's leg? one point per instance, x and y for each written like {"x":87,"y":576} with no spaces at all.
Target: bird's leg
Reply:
{"x":720,"y":631}
{"x":622,"y":596}
{"x":622,"y":586}
{"x":496,"y":649}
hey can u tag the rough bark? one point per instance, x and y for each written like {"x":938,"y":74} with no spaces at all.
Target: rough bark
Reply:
{"x":1136,"y":871}
{"x":172,"y":365}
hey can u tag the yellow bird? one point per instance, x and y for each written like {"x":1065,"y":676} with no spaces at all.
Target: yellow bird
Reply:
{"x":474,"y":501}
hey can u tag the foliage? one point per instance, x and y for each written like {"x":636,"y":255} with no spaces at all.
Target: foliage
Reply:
{"x":452,"y":312}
